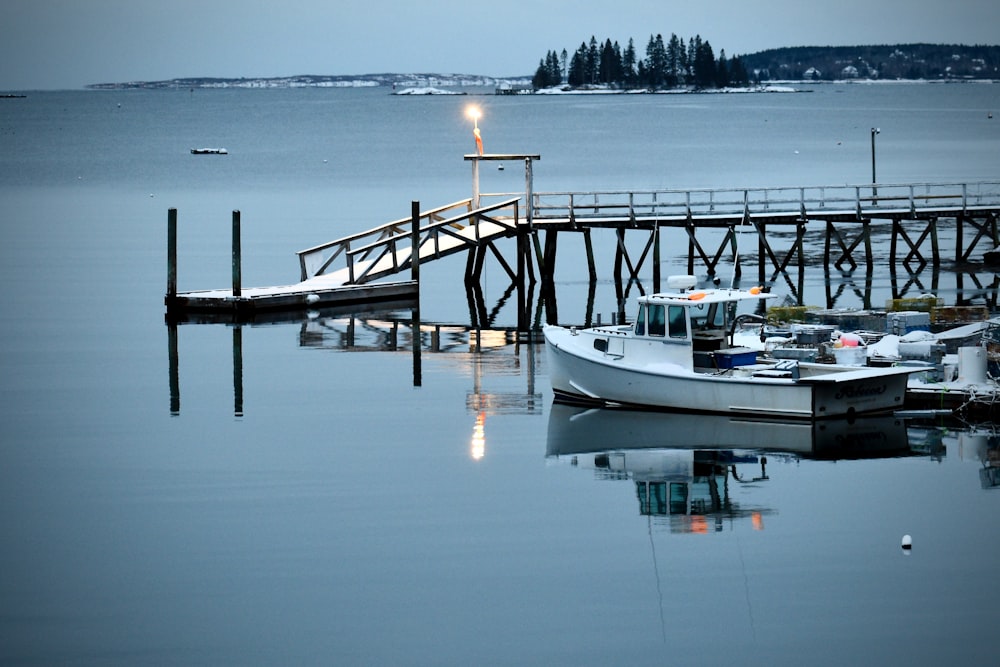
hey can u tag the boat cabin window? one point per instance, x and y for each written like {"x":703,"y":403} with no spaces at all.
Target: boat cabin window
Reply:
{"x":657,"y":325}
{"x":711,"y":316}
{"x":678,"y":322}
{"x":661,"y":321}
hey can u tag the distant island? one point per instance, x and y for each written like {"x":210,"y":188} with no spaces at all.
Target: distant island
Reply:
{"x":918,"y":62}
{"x":394,"y":81}
{"x":677,"y":64}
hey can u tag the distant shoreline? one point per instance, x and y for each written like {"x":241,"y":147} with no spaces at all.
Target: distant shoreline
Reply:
{"x":445,"y":85}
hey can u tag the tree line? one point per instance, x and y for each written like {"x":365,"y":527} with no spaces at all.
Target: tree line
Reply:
{"x":887,"y":61}
{"x":667,"y":64}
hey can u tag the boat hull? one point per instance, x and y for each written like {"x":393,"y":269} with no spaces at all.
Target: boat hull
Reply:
{"x":583,"y":375}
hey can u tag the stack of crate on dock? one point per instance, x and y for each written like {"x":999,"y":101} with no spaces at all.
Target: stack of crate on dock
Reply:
{"x":902,"y":322}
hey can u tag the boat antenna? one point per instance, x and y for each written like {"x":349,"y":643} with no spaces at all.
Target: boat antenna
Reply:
{"x":736,"y":243}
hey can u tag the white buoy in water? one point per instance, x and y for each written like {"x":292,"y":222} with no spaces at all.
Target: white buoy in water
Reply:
{"x":907,"y":542}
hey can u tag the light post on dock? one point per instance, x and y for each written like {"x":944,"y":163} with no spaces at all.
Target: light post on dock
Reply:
{"x":474,"y":113}
{"x":875,"y":131}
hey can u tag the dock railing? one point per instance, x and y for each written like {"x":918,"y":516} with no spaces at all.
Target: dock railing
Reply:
{"x":387,"y":249}
{"x":455,"y":227}
{"x":807,"y":201}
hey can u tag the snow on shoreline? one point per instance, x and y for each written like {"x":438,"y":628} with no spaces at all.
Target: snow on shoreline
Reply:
{"x":427,"y":91}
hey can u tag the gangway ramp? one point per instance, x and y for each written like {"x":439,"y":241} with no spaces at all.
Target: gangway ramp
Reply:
{"x":386,"y":250}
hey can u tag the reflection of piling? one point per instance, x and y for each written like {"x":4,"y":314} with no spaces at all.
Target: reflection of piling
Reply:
{"x":175,"y":382}
{"x":238,"y":371}
{"x":415,"y":328}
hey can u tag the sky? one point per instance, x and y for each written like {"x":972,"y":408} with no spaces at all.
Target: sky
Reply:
{"x":68,"y":44}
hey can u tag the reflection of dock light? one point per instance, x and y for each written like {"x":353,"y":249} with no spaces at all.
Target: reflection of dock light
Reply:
{"x":478,"y":448}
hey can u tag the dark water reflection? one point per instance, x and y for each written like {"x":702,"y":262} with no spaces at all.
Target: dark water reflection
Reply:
{"x":682,"y":465}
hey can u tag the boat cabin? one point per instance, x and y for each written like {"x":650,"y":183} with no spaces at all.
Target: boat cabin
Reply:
{"x":699,"y":323}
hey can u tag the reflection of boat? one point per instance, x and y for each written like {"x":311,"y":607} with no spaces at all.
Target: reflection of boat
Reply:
{"x":578,"y":430}
{"x":979,"y":443}
{"x":683,"y":465}
{"x":209,"y":151}
{"x":679,"y":355}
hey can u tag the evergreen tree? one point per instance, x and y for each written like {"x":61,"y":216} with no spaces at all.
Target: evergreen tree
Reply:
{"x":704,"y":64}
{"x":541,"y":78}
{"x":737,"y":72}
{"x":610,"y":68}
{"x":722,"y":71}
{"x":578,"y":67}
{"x":675,"y":62}
{"x":629,"y":74}
{"x":689,"y":59}
{"x":553,"y":69}
{"x":656,"y":61}
{"x":593,"y":61}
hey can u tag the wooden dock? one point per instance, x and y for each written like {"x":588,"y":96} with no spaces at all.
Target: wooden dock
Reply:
{"x":354,"y":268}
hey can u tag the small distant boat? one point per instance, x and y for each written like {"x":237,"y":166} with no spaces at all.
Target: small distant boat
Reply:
{"x":209,"y":151}
{"x":679,"y":355}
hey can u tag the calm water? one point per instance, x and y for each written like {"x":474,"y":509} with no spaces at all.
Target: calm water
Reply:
{"x":347,"y":516}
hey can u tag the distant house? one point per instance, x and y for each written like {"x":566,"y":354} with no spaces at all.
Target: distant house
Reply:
{"x":812,"y":73}
{"x":849,"y":72}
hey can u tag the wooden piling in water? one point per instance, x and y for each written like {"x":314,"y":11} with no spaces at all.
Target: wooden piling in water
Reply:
{"x":171,"y":253}
{"x":415,"y":242}
{"x":237,"y":256}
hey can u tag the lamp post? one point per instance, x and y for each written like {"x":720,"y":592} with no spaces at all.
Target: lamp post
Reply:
{"x":875,"y":131}
{"x":474,"y":113}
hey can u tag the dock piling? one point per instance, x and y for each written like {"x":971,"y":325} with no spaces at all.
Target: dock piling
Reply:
{"x":237,"y":262}
{"x":415,"y":242}
{"x":171,"y":253}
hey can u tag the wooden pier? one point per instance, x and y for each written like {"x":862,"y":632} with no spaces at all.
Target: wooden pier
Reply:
{"x":715,"y":222}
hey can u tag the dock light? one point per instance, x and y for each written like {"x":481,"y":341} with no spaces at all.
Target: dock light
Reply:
{"x":474,"y":113}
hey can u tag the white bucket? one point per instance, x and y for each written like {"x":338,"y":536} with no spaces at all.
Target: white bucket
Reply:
{"x":972,"y":365}
{"x":850,"y":356}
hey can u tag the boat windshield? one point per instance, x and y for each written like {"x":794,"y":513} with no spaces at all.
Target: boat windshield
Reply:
{"x":711,"y":316}
{"x":660,"y":321}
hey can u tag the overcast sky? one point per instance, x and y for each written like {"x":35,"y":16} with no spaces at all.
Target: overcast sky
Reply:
{"x":55,"y":44}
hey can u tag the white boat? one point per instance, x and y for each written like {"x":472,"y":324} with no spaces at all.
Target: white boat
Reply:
{"x":678,"y":354}
{"x":209,"y":151}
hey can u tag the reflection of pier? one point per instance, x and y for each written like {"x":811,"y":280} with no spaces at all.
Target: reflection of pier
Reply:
{"x":489,"y":353}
